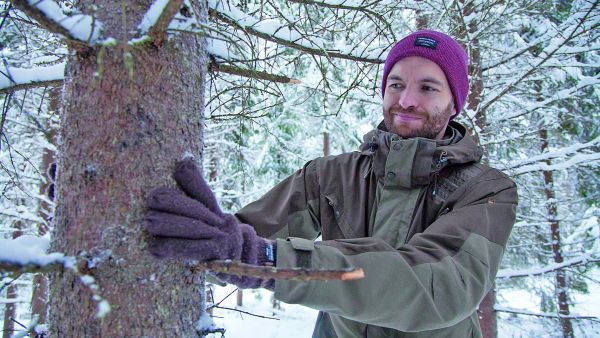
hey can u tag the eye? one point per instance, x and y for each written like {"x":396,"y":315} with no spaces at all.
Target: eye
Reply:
{"x":429,"y":88}
{"x":396,"y":85}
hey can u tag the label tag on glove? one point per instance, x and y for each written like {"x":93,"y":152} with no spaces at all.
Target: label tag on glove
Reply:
{"x":270,"y":257}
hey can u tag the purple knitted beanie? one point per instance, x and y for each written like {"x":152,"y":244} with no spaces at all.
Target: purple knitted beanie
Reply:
{"x":439,"y":48}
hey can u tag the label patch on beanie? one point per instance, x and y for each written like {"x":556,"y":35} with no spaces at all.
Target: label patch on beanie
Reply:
{"x":426,"y":42}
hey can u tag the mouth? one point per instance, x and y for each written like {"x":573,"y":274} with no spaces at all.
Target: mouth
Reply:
{"x":404,"y":117}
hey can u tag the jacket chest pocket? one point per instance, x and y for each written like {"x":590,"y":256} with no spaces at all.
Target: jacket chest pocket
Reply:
{"x":335,"y":224}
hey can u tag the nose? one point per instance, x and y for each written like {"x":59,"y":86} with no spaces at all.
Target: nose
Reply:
{"x":408,"y":98}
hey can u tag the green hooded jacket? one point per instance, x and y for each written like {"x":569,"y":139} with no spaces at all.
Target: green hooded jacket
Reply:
{"x":424,"y":219}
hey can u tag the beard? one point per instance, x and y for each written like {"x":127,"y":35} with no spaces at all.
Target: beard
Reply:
{"x":432,"y":125}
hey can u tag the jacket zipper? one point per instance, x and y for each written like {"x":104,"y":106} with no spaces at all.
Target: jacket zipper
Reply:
{"x":440,"y":163}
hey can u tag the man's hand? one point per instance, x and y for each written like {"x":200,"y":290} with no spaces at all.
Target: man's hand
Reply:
{"x":189,"y":225}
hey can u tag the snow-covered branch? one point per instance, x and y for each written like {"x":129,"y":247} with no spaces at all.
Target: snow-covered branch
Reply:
{"x":582,"y":260}
{"x":558,"y":153}
{"x":591,"y":159}
{"x":13,"y":78}
{"x":282,"y":35}
{"x":349,"y":5}
{"x":28,"y":254}
{"x":81,"y":31}
{"x":157,"y":19}
{"x":574,"y":29}
{"x":560,"y":95}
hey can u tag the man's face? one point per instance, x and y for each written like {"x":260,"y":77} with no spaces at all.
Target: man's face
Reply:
{"x":418,"y":101}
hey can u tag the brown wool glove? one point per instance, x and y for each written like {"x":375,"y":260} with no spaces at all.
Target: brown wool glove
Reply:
{"x":188,"y":224}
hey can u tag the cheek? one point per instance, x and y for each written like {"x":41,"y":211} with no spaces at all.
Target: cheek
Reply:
{"x":388,"y":101}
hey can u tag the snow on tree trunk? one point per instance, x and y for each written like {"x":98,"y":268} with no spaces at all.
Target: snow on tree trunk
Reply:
{"x":129,"y":112}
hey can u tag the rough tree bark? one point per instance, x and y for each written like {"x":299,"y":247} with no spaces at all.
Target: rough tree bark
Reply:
{"x":129,"y":112}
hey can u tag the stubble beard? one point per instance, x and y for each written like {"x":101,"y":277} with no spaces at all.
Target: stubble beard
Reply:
{"x":430,"y":129}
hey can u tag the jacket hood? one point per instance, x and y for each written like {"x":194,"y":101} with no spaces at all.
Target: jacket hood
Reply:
{"x":415,"y":161}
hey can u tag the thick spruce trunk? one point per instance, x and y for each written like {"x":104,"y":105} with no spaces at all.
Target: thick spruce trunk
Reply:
{"x":123,"y":126}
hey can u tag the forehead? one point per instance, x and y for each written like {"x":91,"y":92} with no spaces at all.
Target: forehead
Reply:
{"x":417,"y":68}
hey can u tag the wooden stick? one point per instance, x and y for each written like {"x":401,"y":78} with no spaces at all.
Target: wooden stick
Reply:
{"x":268,"y":272}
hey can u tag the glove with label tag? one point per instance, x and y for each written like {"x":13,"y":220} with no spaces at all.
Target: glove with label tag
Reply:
{"x":188,"y":224}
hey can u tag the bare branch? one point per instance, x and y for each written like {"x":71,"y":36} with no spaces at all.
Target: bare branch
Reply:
{"x":241,"y":311}
{"x":30,"y":85}
{"x":266,"y":272}
{"x":251,"y":73}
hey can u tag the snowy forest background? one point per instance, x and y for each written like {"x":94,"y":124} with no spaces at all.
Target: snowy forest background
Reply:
{"x":291,"y":80}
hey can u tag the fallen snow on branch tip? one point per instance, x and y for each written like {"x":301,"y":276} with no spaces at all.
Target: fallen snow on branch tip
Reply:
{"x":31,"y":250}
{"x":12,"y":76}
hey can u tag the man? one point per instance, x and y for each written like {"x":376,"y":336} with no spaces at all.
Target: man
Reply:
{"x":413,"y":208}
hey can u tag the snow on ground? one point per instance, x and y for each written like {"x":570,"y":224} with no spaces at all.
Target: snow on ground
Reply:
{"x":295,"y":321}
{"x":517,"y":326}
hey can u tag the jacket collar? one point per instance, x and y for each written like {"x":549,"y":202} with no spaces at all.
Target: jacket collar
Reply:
{"x":413,"y":162}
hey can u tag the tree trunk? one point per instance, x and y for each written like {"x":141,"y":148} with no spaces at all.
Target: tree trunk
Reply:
{"x":486,"y":312}
{"x":9,"y":312}
{"x":560,"y":278}
{"x":39,"y":296}
{"x":326,"y":144}
{"x":128,"y":114}
{"x":487,"y":315}
{"x":11,"y":293}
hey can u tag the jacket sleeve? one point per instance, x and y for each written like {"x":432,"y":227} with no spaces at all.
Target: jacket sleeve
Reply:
{"x":291,"y":208}
{"x":435,"y":280}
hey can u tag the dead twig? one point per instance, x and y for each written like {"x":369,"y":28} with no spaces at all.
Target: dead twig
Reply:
{"x":245,"y":312}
